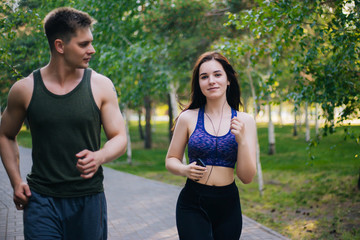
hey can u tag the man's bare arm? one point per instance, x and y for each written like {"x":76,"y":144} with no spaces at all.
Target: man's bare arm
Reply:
{"x":11,"y":123}
{"x":114,"y":128}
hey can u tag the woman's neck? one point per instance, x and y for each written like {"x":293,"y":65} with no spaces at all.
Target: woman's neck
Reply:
{"x":216,"y":107}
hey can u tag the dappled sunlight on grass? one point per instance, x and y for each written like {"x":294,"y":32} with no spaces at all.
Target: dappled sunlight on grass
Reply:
{"x":302,"y":229}
{"x":292,"y":201}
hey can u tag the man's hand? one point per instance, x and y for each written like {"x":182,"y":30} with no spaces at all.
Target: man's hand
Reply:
{"x":21,"y":195}
{"x":87,"y":163}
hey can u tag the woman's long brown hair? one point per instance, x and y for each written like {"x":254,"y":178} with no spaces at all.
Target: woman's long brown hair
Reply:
{"x":233,"y":93}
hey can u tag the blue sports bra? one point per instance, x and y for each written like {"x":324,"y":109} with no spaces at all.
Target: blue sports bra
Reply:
{"x":203,"y":145}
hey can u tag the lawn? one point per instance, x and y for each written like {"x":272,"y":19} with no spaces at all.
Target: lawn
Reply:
{"x":304,"y":197}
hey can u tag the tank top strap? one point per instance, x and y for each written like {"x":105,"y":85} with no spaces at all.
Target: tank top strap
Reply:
{"x":233,"y":112}
{"x":85,"y":82}
{"x":87,"y":77}
{"x":37,"y":78}
{"x":200,"y":121}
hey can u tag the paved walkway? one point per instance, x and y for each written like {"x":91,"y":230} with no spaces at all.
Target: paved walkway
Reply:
{"x":138,"y":208}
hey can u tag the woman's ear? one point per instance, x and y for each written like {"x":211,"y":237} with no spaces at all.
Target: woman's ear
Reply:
{"x":59,"y":46}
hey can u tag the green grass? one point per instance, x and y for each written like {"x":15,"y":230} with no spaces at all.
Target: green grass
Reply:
{"x":303,"y":198}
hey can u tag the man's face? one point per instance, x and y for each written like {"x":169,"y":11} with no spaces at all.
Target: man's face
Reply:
{"x":78,"y":51}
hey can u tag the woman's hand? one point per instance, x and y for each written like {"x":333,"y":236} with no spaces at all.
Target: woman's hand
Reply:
{"x":194,"y":172}
{"x":238,"y":129}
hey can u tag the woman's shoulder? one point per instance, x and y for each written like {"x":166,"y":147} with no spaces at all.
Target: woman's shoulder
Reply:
{"x":245,"y":117}
{"x":188,"y":115}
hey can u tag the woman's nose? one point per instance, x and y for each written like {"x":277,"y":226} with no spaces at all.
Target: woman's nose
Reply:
{"x":211,"y":79}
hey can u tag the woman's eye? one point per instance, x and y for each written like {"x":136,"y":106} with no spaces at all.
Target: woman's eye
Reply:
{"x":218,"y":75}
{"x":203,"y":77}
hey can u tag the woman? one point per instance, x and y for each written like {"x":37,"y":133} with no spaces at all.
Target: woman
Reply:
{"x":219,"y":136}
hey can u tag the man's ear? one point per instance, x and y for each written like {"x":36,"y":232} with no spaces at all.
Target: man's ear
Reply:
{"x":59,"y":45}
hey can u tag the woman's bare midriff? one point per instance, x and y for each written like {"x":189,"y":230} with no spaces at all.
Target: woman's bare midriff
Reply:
{"x":219,"y":176}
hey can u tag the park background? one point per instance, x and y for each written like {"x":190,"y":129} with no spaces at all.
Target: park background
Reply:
{"x":298,"y":65}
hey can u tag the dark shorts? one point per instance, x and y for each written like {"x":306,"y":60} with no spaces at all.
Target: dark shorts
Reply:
{"x":77,"y":218}
{"x":208,"y":212}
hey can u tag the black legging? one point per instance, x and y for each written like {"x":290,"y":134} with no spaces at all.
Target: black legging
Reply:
{"x":208,"y":212}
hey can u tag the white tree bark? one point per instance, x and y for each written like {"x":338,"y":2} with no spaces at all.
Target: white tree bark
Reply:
{"x":307,"y":124}
{"x":271,"y":131}
{"x":129,"y":150}
{"x":258,"y":163}
{"x":173,"y":99}
{"x":174,"y":106}
{"x":280,"y":114}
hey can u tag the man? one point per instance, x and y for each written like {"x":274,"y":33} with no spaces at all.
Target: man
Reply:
{"x":65,"y":104}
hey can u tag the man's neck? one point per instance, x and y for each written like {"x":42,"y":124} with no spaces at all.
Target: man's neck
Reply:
{"x":61,"y":73}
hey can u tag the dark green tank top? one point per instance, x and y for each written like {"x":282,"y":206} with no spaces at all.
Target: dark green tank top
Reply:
{"x":61,"y":126}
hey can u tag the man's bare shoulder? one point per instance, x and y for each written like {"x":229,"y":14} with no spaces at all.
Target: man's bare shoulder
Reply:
{"x":98,"y":78}
{"x":21,"y":92}
{"x":103,"y":89}
{"x":23,"y":86}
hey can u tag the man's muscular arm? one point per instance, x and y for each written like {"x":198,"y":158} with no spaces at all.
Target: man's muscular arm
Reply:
{"x":114,"y":127}
{"x":11,"y":122}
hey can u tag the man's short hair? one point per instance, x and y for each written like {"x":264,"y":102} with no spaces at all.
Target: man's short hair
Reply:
{"x":62,"y":23}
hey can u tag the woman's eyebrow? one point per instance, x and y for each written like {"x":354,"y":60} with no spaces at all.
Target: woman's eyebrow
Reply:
{"x":204,"y":73}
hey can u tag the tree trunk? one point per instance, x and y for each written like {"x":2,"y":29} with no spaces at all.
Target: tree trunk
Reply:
{"x":307,"y":125}
{"x":295,"y":133}
{"x":172,"y":102}
{"x":141,"y":132}
{"x":271,"y":125}
{"x":127,"y":126}
{"x":170,"y":113}
{"x":271,"y":131}
{"x":359,"y":180}
{"x":258,"y":163}
{"x":316,"y":119}
{"x":280,"y":114}
{"x":245,"y":103}
{"x":299,"y":117}
{"x":173,"y":107}
{"x":147,"y":142}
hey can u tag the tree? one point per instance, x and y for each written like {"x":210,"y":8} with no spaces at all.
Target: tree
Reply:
{"x":323,"y":37}
{"x":186,"y":29}
{"x":20,"y":31}
{"x":327,"y":33}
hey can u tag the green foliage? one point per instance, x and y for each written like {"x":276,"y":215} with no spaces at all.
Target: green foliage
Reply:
{"x":19,"y":41}
{"x":320,"y":41}
{"x":185,"y":29}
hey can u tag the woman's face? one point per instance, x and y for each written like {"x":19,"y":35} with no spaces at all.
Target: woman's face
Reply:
{"x":213,"y":79}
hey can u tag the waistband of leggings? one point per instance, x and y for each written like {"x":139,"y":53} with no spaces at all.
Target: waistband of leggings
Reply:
{"x":211,"y":190}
